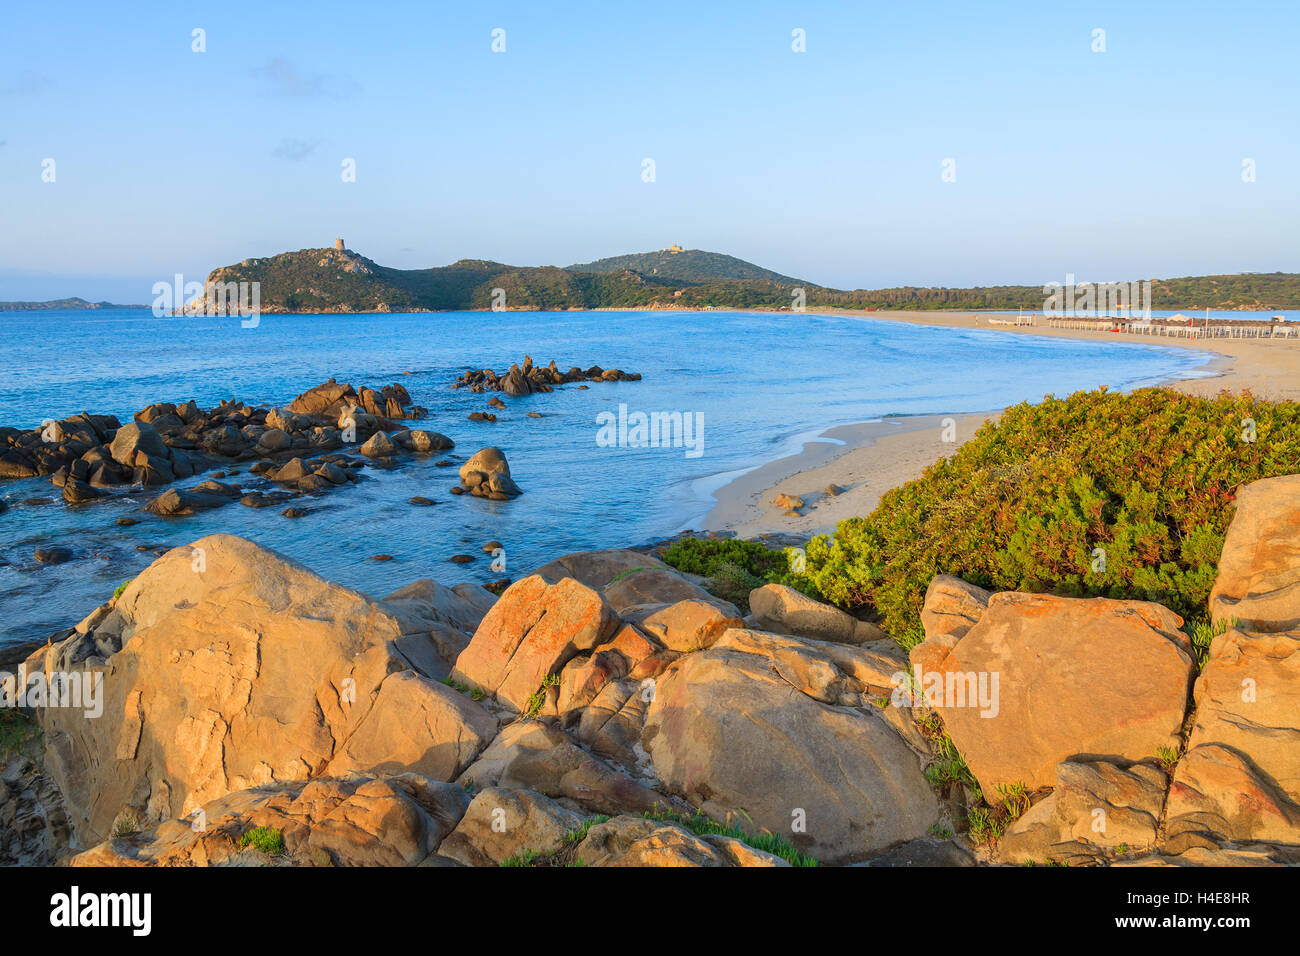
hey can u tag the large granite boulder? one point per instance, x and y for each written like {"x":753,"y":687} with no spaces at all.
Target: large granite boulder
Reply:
{"x":501,"y":824}
{"x":824,"y":670}
{"x":659,"y":586}
{"x":226,"y":666}
{"x":487,"y":475}
{"x":685,"y":626}
{"x":1248,"y":699}
{"x":358,"y":820}
{"x":1258,"y":586}
{"x":531,"y":632}
{"x":135,"y":438}
{"x":952,"y":607}
{"x":415,"y":724}
{"x":783,"y":610}
{"x":326,"y":400}
{"x":1240,"y":777}
{"x":736,"y":737}
{"x":1218,"y":796}
{"x":599,"y":569}
{"x":1096,"y":807}
{"x":1042,"y":679}
{"x":529,"y":755}
{"x":437,"y":622}
{"x":633,"y":841}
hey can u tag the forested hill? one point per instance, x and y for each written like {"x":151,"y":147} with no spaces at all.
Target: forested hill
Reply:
{"x":340,"y":280}
{"x":685,"y":265}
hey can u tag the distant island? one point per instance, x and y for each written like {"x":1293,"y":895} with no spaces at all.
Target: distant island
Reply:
{"x":73,"y":303}
{"x":338,"y":279}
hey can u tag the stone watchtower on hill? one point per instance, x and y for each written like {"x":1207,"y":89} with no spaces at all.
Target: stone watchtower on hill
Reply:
{"x":338,"y":244}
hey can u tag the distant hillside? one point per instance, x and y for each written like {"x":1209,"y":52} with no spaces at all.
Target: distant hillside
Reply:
{"x":73,"y":303}
{"x":340,"y":280}
{"x":683,"y":265}
{"x":334,"y":280}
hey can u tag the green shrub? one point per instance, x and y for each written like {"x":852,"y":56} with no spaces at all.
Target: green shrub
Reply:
{"x":18,"y":732}
{"x":536,"y":701}
{"x":733,"y":567}
{"x":702,"y":556}
{"x":1168,"y":758}
{"x":733,"y":583}
{"x":128,"y":821}
{"x":948,"y":768}
{"x":267,"y":839}
{"x":1148,"y":477}
{"x":117,"y":592}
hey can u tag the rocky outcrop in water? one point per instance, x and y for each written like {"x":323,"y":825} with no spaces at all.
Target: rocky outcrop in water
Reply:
{"x":89,"y":456}
{"x":535,"y":378}
{"x":487,"y":475}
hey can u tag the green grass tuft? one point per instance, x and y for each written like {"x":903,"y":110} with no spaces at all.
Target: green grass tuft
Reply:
{"x":580,"y":834}
{"x":267,"y":839}
{"x":526,"y":858}
{"x":17,"y":732}
{"x":700,"y":824}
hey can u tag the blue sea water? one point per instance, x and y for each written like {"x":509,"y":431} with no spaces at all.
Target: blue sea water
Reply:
{"x":758,"y":380}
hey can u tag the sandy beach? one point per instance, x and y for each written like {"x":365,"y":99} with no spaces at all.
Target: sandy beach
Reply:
{"x":868,"y":459}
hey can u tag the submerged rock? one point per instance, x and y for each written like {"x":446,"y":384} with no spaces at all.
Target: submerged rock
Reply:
{"x":53,"y":554}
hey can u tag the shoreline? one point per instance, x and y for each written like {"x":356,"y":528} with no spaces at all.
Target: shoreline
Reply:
{"x":864,"y":460}
{"x":868,"y":459}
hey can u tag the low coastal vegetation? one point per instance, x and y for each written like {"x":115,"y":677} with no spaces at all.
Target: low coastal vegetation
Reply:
{"x":1125,"y":496}
{"x":128,"y":822}
{"x":732,"y":567}
{"x":1094,"y":495}
{"x":268,"y":840}
{"x":17,"y":732}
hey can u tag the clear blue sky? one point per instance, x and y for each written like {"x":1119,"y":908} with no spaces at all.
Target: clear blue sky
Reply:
{"x":825,"y":165}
